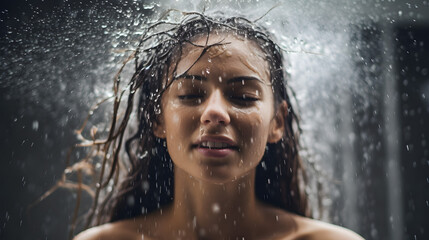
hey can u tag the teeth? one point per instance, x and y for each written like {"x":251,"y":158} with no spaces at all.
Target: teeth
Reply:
{"x":214,"y":144}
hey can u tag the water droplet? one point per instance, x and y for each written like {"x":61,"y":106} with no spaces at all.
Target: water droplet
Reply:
{"x":130,"y":200}
{"x":194,"y":222}
{"x":35,"y":125}
{"x":145,"y":186}
{"x":215,"y":208}
{"x":150,"y":6}
{"x":264,"y":166}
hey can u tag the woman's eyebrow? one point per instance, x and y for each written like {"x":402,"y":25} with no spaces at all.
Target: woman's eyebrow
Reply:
{"x":194,"y":77}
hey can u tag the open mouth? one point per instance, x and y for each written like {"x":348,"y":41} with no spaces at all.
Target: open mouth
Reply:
{"x":215,"y":149}
{"x":215,"y":145}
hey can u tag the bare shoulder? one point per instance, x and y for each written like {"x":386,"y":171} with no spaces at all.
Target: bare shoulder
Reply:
{"x":310,"y":229}
{"x":295,"y":227}
{"x":110,"y":231}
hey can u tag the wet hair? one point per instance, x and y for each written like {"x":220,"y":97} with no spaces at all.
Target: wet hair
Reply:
{"x":149,"y":183}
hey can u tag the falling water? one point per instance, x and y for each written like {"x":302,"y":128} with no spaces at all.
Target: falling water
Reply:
{"x":55,"y":63}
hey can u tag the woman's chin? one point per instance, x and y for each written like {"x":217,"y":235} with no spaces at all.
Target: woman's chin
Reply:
{"x":220,"y":174}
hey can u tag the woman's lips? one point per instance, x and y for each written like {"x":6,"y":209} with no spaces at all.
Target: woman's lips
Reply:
{"x":215,"y":146}
{"x":215,"y":152}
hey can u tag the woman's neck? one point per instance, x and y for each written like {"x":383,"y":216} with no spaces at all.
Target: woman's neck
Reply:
{"x":205,"y":209}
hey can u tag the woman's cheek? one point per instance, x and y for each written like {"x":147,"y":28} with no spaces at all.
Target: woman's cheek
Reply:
{"x":254,"y":132}
{"x":176,"y":127}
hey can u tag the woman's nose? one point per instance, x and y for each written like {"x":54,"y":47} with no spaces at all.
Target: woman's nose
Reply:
{"x":215,"y":111}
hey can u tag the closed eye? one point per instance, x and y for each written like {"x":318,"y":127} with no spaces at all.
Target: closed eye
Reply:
{"x":189,"y":96}
{"x":244,"y":97}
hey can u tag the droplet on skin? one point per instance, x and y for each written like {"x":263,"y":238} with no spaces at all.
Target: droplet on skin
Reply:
{"x":241,"y":163}
{"x":215,"y":208}
{"x":176,"y":119}
{"x":194,"y":222}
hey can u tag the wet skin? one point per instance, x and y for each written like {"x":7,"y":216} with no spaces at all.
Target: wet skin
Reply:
{"x":225,"y":97}
{"x":205,"y":105}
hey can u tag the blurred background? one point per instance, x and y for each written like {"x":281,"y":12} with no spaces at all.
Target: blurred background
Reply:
{"x":360,"y":70}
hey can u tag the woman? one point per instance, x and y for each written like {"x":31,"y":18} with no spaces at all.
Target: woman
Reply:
{"x":215,"y":155}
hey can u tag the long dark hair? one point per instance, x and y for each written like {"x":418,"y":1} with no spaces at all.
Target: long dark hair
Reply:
{"x":280,"y":176}
{"x":149,"y":181}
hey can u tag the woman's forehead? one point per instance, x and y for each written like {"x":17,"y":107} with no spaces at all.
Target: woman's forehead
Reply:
{"x":235,"y":50}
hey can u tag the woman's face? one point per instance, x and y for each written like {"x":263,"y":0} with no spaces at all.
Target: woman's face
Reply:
{"x":218,"y":117}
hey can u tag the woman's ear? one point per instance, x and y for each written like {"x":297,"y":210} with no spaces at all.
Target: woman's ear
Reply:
{"x":158,"y":127}
{"x":277,"y":124}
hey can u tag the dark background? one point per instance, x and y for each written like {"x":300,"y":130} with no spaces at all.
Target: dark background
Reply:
{"x":36,"y":128}
{"x":413,"y":62}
